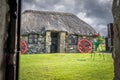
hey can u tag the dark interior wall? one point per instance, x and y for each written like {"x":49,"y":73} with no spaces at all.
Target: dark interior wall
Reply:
{"x":54,"y":42}
{"x":8,"y":10}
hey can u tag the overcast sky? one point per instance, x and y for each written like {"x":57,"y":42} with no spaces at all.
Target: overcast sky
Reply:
{"x":96,"y":13}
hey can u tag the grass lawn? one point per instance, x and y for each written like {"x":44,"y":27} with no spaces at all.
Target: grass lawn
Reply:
{"x":65,"y":67}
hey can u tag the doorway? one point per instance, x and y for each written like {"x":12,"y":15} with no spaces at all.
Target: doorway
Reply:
{"x":54,"y":42}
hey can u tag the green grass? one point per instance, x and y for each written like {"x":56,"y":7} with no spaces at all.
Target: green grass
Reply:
{"x":65,"y":67}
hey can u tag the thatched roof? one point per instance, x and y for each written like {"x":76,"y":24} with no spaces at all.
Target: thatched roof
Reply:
{"x":54,"y":21}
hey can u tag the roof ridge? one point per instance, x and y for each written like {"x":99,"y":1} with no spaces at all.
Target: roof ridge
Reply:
{"x":47,"y":12}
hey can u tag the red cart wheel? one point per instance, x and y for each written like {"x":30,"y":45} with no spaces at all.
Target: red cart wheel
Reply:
{"x":84,"y":46}
{"x":23,"y":47}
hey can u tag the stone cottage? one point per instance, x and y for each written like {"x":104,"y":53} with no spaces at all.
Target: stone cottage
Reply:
{"x":53,"y":32}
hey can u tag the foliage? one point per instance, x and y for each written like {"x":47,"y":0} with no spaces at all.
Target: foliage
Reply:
{"x":99,"y":44}
{"x":66,"y":67}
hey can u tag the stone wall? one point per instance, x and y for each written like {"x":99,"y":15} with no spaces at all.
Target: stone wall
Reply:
{"x":73,"y":48}
{"x":62,"y":42}
{"x":35,"y":48}
{"x":116,"y":51}
{"x":48,"y":42}
{"x":44,"y":43}
{"x":3,"y":31}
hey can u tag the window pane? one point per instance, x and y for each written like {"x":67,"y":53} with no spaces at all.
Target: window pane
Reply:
{"x":30,"y":41}
{"x":30,"y":36}
{"x":72,"y":39}
{"x":35,"y":36}
{"x":35,"y":41}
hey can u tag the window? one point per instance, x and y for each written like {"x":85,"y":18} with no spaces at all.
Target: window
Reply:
{"x":72,"y":39}
{"x":33,"y":38}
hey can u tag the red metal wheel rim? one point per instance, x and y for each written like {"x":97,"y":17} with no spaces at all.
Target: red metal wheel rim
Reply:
{"x":84,"y":46}
{"x":23,"y":47}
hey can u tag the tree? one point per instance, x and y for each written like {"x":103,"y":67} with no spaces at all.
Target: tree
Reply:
{"x":116,"y":51}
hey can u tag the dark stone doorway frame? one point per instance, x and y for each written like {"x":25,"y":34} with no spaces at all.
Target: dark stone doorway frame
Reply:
{"x":12,"y":46}
{"x":11,"y":71}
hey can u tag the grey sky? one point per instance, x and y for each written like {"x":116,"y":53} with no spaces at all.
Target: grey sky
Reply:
{"x":97,"y":13}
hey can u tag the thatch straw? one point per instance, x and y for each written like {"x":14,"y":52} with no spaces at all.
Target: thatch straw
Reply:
{"x":54,"y":21}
